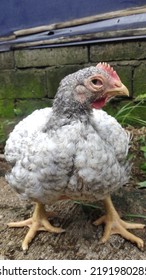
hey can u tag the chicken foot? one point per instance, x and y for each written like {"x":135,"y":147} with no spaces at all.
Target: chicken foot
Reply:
{"x":38,"y":222}
{"x":115,"y":225}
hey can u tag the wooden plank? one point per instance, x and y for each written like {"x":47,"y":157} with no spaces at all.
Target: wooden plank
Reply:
{"x":79,"y":38}
{"x":81,"y":21}
{"x":8,"y":38}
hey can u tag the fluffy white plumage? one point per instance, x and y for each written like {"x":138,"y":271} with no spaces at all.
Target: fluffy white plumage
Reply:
{"x":49,"y":165}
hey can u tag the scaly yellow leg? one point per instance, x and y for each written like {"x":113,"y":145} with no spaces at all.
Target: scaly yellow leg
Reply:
{"x":115,"y":225}
{"x":38,"y":222}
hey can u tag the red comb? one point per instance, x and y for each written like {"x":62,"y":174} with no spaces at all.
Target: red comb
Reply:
{"x":106,"y":67}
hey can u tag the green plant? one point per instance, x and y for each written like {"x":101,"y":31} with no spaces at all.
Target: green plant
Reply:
{"x":142,"y":185}
{"x":126,"y":114}
{"x":86,"y":204}
{"x":135,"y":216}
{"x":143,"y":167}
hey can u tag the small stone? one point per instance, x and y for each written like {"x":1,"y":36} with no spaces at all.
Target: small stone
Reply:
{"x":2,"y":257}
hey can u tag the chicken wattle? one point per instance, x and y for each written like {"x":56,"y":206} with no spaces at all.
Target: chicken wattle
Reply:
{"x":72,"y":150}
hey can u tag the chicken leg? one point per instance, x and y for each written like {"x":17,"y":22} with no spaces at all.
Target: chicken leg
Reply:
{"x":115,"y":225}
{"x":38,"y":222}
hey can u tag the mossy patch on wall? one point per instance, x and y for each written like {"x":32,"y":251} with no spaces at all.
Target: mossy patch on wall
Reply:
{"x":139,"y":79}
{"x":22,"y":84}
{"x":55,"y":74}
{"x":7,"y":108}
{"x":25,"y":107}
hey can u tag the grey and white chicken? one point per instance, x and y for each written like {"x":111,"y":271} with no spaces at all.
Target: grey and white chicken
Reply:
{"x":74,"y":151}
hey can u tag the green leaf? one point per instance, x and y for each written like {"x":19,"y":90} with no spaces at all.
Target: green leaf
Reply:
{"x":143,"y":166}
{"x":142,"y":139}
{"x":143,"y":148}
{"x":126,"y":114}
{"x":141,"y":97}
{"x":86,"y":204}
{"x":18,"y":112}
{"x":135,"y":216}
{"x":142,"y":184}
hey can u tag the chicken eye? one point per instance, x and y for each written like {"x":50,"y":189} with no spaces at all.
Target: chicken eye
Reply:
{"x":97,"y":82}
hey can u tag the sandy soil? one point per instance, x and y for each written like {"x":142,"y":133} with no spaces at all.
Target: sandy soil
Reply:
{"x":81,"y":239}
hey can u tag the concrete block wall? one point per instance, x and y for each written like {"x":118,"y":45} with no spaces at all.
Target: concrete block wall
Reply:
{"x":29,"y":78}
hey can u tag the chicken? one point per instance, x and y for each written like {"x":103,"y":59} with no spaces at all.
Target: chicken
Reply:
{"x":73,"y":150}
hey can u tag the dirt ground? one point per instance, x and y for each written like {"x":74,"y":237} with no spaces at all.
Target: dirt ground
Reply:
{"x":81,"y":239}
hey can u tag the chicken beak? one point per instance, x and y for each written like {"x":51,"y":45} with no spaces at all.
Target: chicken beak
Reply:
{"x":119,"y":90}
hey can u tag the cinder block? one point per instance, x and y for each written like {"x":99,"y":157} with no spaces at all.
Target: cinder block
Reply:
{"x":50,"y":57}
{"x":139,"y":79}
{"x":22,"y":84}
{"x":118,"y":51}
{"x":26,"y":107}
{"x":7,"y":108}
{"x":6,"y":60}
{"x":56,"y":74}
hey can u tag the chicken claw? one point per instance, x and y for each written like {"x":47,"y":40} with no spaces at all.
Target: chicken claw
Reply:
{"x":115,"y":225}
{"x":38,"y":222}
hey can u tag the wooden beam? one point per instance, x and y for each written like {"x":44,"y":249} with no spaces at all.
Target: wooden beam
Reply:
{"x":79,"y":38}
{"x":81,"y":21}
{"x":8,"y":38}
